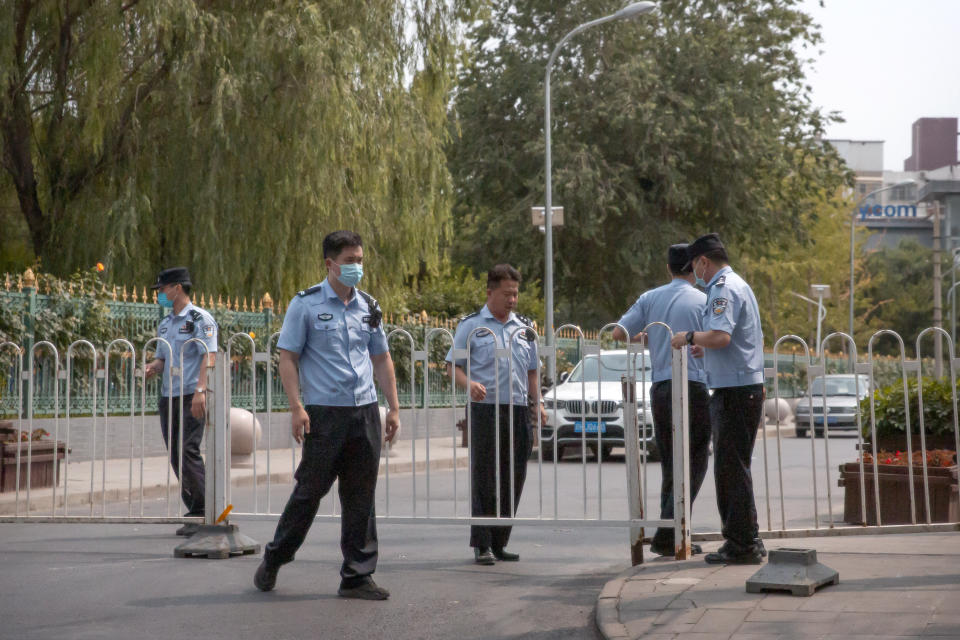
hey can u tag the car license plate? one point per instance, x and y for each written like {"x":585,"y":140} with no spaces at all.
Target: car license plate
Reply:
{"x":593,"y":426}
{"x":830,"y":420}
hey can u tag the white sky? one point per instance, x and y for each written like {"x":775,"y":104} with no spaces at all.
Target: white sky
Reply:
{"x":886,"y":63}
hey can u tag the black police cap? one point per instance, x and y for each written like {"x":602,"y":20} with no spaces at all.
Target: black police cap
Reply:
{"x":173,"y":275}
{"x":677,"y":257}
{"x":702,"y":245}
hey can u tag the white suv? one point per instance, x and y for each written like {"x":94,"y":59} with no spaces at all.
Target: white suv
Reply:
{"x":577,"y":401}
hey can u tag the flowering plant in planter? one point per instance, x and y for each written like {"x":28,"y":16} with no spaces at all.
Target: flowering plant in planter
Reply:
{"x":935,"y":458}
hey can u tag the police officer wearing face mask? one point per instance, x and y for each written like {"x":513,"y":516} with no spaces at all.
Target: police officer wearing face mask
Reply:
{"x":733,"y":357}
{"x":332,"y":345}
{"x":679,"y":305}
{"x":183,"y":385}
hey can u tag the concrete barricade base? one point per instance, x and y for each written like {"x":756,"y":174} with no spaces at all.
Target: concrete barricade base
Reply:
{"x":217,"y":542}
{"x":793,"y":570}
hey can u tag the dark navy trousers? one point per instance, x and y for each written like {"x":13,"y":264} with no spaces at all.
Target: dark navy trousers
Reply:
{"x":192,"y":480}
{"x":484,"y":468}
{"x":735,"y":414}
{"x":699,"y":446}
{"x":344,"y":445}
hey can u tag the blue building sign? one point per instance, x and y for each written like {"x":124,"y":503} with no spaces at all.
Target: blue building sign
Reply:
{"x":889,"y":211}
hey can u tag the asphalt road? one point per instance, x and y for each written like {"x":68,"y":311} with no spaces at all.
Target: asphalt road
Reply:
{"x":121,"y":581}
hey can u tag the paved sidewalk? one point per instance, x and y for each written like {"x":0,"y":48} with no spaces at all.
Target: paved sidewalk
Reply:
{"x":891,"y":586}
{"x":401,"y":458}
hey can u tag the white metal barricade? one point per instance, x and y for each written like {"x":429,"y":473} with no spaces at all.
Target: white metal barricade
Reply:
{"x":861,"y":523}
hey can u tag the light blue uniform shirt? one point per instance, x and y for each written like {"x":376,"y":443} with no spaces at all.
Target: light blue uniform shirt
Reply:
{"x":678,"y":304}
{"x":483,"y":357}
{"x":732,"y":308}
{"x":335,"y":343}
{"x":177,"y":328}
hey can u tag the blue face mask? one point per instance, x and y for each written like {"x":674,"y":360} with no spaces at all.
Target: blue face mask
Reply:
{"x":164,"y":301}
{"x":700,"y":281}
{"x":350,"y":274}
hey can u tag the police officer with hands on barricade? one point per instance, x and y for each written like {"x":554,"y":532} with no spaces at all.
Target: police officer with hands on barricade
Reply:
{"x":184,"y":322}
{"x":492,"y":327}
{"x":678,"y":304}
{"x":732,"y":340}
{"x":332,"y":346}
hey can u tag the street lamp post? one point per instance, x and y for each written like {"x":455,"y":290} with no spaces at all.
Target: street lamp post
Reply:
{"x":821,"y":310}
{"x":853,"y":226}
{"x":629,"y":11}
{"x":953,"y":313}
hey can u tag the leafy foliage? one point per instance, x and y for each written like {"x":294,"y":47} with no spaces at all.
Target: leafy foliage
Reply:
{"x":891,"y":413}
{"x":230,"y":137}
{"x":665,"y":127}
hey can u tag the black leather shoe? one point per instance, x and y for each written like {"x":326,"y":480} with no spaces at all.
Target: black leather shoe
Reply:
{"x":188,"y":529}
{"x":483,"y":555}
{"x":758,"y":544}
{"x":728,"y":557}
{"x":265,"y":578}
{"x":366,"y":590}
{"x":505,"y":556}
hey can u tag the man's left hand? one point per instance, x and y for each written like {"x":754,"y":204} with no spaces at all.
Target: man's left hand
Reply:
{"x":393,"y":424}
{"x":198,"y":408}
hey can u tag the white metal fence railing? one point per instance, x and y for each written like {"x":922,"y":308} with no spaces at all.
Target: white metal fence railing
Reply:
{"x":104,"y":468}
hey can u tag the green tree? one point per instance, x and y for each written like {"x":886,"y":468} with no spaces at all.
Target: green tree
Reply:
{"x":227,"y":136}
{"x":791,"y":266}
{"x":895,"y":291}
{"x":691,"y":120}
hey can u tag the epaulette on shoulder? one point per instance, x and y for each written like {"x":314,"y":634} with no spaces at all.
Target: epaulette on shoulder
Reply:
{"x":312,"y":289}
{"x":722,"y":280}
{"x":525,"y":320}
{"x":196,"y":315}
{"x":469,"y":315}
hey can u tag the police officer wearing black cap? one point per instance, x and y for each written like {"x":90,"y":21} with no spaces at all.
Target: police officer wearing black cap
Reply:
{"x":732,"y":340}
{"x":183,"y":387}
{"x":679,"y":305}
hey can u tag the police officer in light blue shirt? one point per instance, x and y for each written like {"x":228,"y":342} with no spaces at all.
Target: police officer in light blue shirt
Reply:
{"x":679,"y":305}
{"x":183,"y":384}
{"x":733,"y":344}
{"x":332,"y":346}
{"x":494,"y":397}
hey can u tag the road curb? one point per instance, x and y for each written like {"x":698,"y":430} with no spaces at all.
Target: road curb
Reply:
{"x":608,"y":606}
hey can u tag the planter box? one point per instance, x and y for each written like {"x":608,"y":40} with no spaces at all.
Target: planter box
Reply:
{"x":895,"y":493}
{"x":44,"y":456}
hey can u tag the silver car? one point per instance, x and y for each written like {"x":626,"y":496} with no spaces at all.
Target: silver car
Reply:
{"x":844,"y":392}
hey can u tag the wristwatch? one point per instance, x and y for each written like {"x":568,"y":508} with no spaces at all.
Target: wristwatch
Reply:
{"x":199,"y":390}
{"x":690,"y":337}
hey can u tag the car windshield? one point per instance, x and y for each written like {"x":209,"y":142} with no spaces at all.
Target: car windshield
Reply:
{"x":839,"y":386}
{"x":611,"y":367}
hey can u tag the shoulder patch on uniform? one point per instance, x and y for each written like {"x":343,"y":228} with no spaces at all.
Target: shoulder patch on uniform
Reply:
{"x":722,"y":280}
{"x":325,"y":316}
{"x":196,"y":315}
{"x":312,"y":289}
{"x":208,"y":330}
{"x":719,"y":305}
